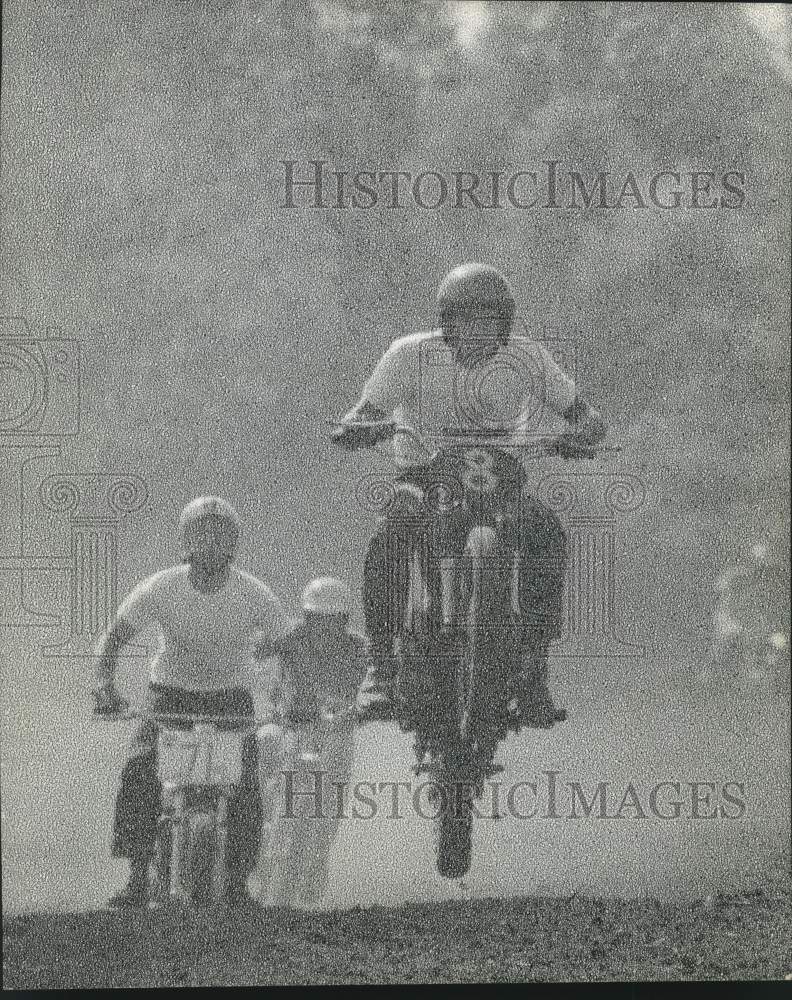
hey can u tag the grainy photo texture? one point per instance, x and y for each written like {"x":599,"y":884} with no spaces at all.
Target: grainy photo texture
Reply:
{"x":394,"y":516}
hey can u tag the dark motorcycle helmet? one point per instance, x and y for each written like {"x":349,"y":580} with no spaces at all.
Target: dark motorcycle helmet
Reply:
{"x":475,"y":288}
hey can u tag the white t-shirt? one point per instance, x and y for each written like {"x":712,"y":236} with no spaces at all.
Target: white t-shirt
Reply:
{"x":207,"y":640}
{"x":506,"y":400}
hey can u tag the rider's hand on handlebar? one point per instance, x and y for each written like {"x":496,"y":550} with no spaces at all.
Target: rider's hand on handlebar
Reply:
{"x":108,"y":700}
{"x":353,"y":435}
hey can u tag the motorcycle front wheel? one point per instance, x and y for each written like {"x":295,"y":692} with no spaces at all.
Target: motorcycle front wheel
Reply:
{"x":474,"y":684}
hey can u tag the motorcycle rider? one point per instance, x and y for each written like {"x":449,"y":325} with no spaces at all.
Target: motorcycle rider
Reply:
{"x":422,"y":381}
{"x":320,"y":663}
{"x":209,"y":613}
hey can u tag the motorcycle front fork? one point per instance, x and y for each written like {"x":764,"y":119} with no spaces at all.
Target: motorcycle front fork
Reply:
{"x":443,"y":607}
{"x":444,"y":544}
{"x":180,"y":816}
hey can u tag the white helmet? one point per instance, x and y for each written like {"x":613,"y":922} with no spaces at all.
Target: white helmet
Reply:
{"x":326,"y":596}
{"x":214,"y":507}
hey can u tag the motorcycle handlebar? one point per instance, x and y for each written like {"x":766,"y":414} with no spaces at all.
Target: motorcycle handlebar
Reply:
{"x":545,"y":445}
{"x":243,"y":721}
{"x":324,"y":715}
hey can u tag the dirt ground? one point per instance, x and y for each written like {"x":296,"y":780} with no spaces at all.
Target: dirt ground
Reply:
{"x":747,"y":936}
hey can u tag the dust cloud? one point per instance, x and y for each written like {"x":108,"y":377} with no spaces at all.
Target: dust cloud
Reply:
{"x":58,"y":787}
